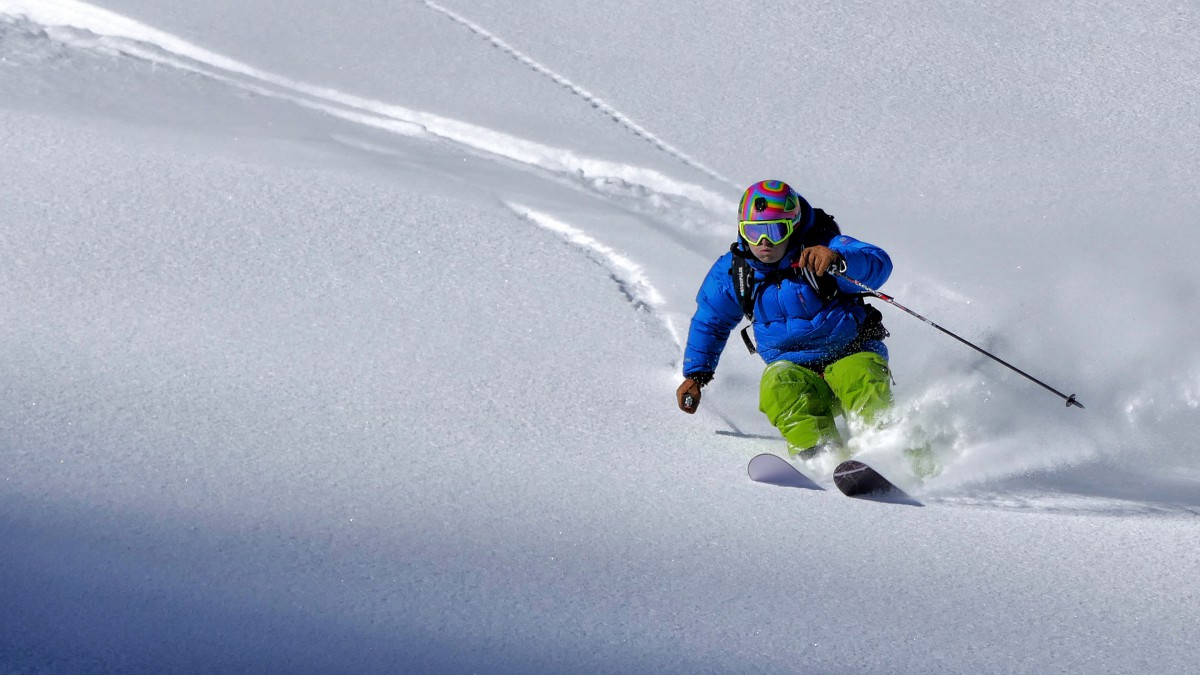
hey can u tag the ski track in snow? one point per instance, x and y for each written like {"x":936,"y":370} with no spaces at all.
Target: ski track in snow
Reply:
{"x":79,"y":25}
{"x":631,"y":279}
{"x":84,"y":26}
{"x":595,"y":101}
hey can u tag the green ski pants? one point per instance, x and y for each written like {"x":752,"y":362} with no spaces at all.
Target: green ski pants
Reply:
{"x":802,"y":404}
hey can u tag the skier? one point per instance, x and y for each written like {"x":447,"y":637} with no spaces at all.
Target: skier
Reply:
{"x":822,"y":344}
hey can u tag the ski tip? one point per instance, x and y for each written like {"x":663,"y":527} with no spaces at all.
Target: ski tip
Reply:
{"x":775,"y":470}
{"x":854,"y":478}
{"x":850,"y":468}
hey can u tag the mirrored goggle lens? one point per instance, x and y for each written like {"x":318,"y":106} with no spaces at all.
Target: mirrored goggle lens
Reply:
{"x":774,"y":231}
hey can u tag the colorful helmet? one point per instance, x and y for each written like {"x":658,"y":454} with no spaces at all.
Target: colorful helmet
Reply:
{"x":773,"y":200}
{"x":770,"y":200}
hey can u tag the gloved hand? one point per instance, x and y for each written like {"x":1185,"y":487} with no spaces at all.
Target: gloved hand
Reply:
{"x":818,"y":260}
{"x":688,"y":393}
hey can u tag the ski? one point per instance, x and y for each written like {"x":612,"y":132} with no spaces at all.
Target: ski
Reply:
{"x":852,"y":478}
{"x":775,"y":470}
{"x":856,"y":479}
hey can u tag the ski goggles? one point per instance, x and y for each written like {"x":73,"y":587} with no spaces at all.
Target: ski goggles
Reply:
{"x":774,"y":231}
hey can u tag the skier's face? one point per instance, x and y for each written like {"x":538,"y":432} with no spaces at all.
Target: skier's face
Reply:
{"x":768,"y":252}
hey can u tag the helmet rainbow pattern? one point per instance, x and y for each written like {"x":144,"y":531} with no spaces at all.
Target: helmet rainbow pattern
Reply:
{"x":770,"y":200}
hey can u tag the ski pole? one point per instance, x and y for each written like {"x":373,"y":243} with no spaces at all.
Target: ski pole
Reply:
{"x":1071,"y":400}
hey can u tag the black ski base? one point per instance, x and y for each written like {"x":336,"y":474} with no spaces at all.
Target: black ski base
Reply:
{"x":856,"y":479}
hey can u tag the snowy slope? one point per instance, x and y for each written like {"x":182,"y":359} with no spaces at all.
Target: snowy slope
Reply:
{"x":346,"y":340}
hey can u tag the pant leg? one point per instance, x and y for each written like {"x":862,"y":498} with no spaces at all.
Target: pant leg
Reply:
{"x":800,"y":404}
{"x":862,"y":385}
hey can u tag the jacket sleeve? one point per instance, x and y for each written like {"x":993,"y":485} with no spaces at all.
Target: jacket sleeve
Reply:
{"x":866,"y":262}
{"x":717,"y":314}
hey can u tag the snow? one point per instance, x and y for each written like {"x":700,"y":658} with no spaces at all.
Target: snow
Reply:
{"x":345,"y":340}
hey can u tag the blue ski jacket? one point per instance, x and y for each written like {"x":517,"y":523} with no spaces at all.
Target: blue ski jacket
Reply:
{"x":791,"y":320}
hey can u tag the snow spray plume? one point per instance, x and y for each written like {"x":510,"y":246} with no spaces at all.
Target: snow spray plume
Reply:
{"x":1071,"y":401}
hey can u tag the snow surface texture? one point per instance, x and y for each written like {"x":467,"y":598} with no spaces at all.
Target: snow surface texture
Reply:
{"x":346,"y":340}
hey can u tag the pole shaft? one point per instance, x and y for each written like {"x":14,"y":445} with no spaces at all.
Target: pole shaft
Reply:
{"x":1071,"y":400}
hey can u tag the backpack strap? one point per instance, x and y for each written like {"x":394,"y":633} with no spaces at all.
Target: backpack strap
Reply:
{"x":743,"y":282}
{"x":747,"y":288}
